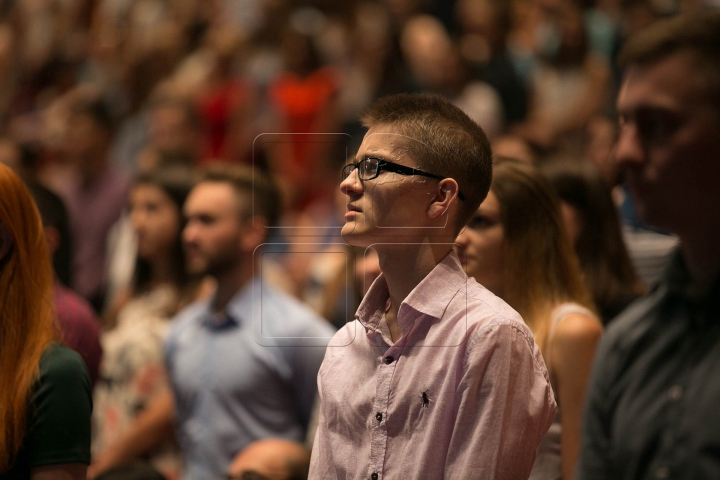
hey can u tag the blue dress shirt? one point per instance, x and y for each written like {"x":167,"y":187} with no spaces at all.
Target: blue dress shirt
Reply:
{"x":248,"y":374}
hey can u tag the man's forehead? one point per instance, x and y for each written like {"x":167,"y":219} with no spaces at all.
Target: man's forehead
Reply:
{"x":213,"y":197}
{"x":670,"y":82}
{"x":386,"y":142}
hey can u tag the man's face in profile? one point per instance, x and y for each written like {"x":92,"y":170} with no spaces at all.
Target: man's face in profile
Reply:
{"x":668,"y":144}
{"x":213,"y":233}
{"x":391,"y":208}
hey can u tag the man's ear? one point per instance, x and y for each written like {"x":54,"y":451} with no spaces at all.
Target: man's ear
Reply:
{"x":6,"y":242}
{"x":445,"y":195}
{"x":254,"y":234}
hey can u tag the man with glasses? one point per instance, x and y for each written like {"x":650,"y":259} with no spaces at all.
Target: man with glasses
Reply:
{"x":436,"y":377}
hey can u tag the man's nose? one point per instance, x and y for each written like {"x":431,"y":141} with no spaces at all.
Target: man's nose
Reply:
{"x":629,"y":150}
{"x":188,"y":233}
{"x":352,"y":184}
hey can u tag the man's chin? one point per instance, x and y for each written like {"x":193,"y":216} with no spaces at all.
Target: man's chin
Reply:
{"x":196,"y":268}
{"x":351,"y":236}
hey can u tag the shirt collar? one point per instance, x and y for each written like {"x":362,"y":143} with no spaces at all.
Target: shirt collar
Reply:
{"x":676,"y":276}
{"x":678,"y":282}
{"x":430,"y":297}
{"x":236,"y":311}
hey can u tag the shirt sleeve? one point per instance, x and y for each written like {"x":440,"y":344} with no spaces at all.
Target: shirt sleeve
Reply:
{"x":321,"y":460}
{"x":80,"y":328}
{"x":594,"y":461}
{"x":505,"y":405}
{"x":60,"y":410}
{"x":306,"y":363}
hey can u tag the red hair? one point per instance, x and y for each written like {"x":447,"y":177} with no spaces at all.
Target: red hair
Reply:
{"x":28,"y":324}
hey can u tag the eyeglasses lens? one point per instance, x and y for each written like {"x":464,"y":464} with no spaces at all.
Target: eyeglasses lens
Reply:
{"x":367,"y":169}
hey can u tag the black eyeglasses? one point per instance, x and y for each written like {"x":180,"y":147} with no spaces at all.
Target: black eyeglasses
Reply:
{"x":369,"y":168}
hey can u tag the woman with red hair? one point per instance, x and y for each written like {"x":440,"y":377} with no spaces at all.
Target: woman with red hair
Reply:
{"x":45,"y":397}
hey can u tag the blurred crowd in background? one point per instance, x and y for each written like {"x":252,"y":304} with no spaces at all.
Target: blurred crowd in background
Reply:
{"x":94,"y":92}
{"x":99,"y":97}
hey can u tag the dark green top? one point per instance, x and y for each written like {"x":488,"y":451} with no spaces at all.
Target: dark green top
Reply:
{"x":58,"y":428}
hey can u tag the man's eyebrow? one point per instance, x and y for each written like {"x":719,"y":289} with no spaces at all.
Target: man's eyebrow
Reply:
{"x":196,"y":214}
{"x":645,"y":109}
{"x":376,"y":156}
{"x":654,"y":110}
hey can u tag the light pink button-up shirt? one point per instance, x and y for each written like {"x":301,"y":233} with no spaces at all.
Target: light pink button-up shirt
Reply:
{"x":464,"y":394}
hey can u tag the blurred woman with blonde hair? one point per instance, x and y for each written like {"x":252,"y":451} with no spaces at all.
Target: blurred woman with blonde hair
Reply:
{"x":516,"y":246}
{"x":593,"y":222}
{"x":45,"y":401}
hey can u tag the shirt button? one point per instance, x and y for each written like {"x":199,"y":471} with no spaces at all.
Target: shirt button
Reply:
{"x":374,"y":476}
{"x":378,"y":416}
{"x":675,"y":393}
{"x":662,"y":473}
{"x":389,"y":359}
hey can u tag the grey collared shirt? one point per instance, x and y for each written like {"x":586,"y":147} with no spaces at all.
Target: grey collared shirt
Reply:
{"x":653,"y":402}
{"x":247,"y":375}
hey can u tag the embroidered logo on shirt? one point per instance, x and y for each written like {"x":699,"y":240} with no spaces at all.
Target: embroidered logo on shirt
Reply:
{"x":425,"y":399}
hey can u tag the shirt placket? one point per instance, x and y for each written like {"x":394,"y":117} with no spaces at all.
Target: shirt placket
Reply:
{"x":378,"y":435}
{"x":205,"y":407}
{"x":662,"y":467}
{"x":671,"y":443}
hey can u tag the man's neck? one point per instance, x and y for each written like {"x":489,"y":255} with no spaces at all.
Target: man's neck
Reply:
{"x":702,"y":258}
{"x":229,"y":283}
{"x":164,"y":271}
{"x":404,"y":267}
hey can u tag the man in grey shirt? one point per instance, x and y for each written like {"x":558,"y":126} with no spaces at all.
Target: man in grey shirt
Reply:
{"x":652,"y":402}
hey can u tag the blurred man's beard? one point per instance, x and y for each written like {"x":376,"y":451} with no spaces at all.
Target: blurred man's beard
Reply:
{"x":215,"y":267}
